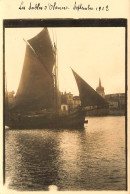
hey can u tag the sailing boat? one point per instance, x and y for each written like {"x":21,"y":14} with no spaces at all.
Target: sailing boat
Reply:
{"x":37,"y":101}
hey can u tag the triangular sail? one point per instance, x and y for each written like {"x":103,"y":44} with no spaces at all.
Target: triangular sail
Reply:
{"x":88,"y":96}
{"x":36,"y":88}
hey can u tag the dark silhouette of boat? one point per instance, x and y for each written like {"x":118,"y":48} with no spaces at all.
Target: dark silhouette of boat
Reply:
{"x":37,"y":101}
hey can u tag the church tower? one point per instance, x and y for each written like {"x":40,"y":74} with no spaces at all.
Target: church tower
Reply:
{"x":100,"y":89}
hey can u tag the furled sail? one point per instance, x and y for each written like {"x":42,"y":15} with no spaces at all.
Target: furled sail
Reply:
{"x":36,"y":88}
{"x":88,"y":96}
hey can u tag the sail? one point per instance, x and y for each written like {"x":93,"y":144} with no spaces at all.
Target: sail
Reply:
{"x":88,"y":96}
{"x":36,"y":88}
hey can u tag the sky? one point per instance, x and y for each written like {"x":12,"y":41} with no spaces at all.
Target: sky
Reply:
{"x":93,"y":52}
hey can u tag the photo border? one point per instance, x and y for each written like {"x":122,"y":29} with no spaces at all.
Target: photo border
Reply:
{"x":26,"y":23}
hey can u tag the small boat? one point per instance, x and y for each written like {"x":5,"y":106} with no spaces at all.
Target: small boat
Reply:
{"x":38,"y":90}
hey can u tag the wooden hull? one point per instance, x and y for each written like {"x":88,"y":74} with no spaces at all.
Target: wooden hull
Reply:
{"x":74,"y":120}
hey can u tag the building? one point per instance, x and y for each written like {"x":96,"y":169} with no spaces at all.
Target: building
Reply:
{"x":11,"y":97}
{"x":67,"y":99}
{"x":116,"y":101}
{"x":76,"y":101}
{"x":100,"y":89}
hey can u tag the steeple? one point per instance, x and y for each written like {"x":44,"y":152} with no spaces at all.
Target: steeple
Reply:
{"x":100,"y":89}
{"x":99,"y":82}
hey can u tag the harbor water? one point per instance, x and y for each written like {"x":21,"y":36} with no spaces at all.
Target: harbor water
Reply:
{"x":72,"y":160}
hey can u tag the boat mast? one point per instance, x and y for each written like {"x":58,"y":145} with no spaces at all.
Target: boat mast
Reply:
{"x":56,"y":88}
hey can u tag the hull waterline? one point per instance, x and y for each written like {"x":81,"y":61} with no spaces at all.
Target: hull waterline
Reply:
{"x":71,"y":121}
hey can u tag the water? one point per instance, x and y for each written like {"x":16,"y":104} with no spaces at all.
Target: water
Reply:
{"x":92,"y":159}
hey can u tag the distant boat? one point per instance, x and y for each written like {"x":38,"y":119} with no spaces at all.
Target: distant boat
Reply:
{"x":37,"y":101}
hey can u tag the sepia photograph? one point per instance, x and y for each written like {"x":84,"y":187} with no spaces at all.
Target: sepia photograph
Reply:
{"x":65,"y":106}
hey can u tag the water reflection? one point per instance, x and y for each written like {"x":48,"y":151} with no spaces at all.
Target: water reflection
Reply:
{"x":92,"y":159}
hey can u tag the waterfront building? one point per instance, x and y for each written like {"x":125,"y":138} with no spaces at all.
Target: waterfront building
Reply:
{"x":76,"y":101}
{"x":64,"y":108}
{"x":11,"y":97}
{"x":116,"y":101}
{"x":69,"y":102}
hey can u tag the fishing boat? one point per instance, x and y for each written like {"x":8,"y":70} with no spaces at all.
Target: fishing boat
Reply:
{"x":37,"y":102}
